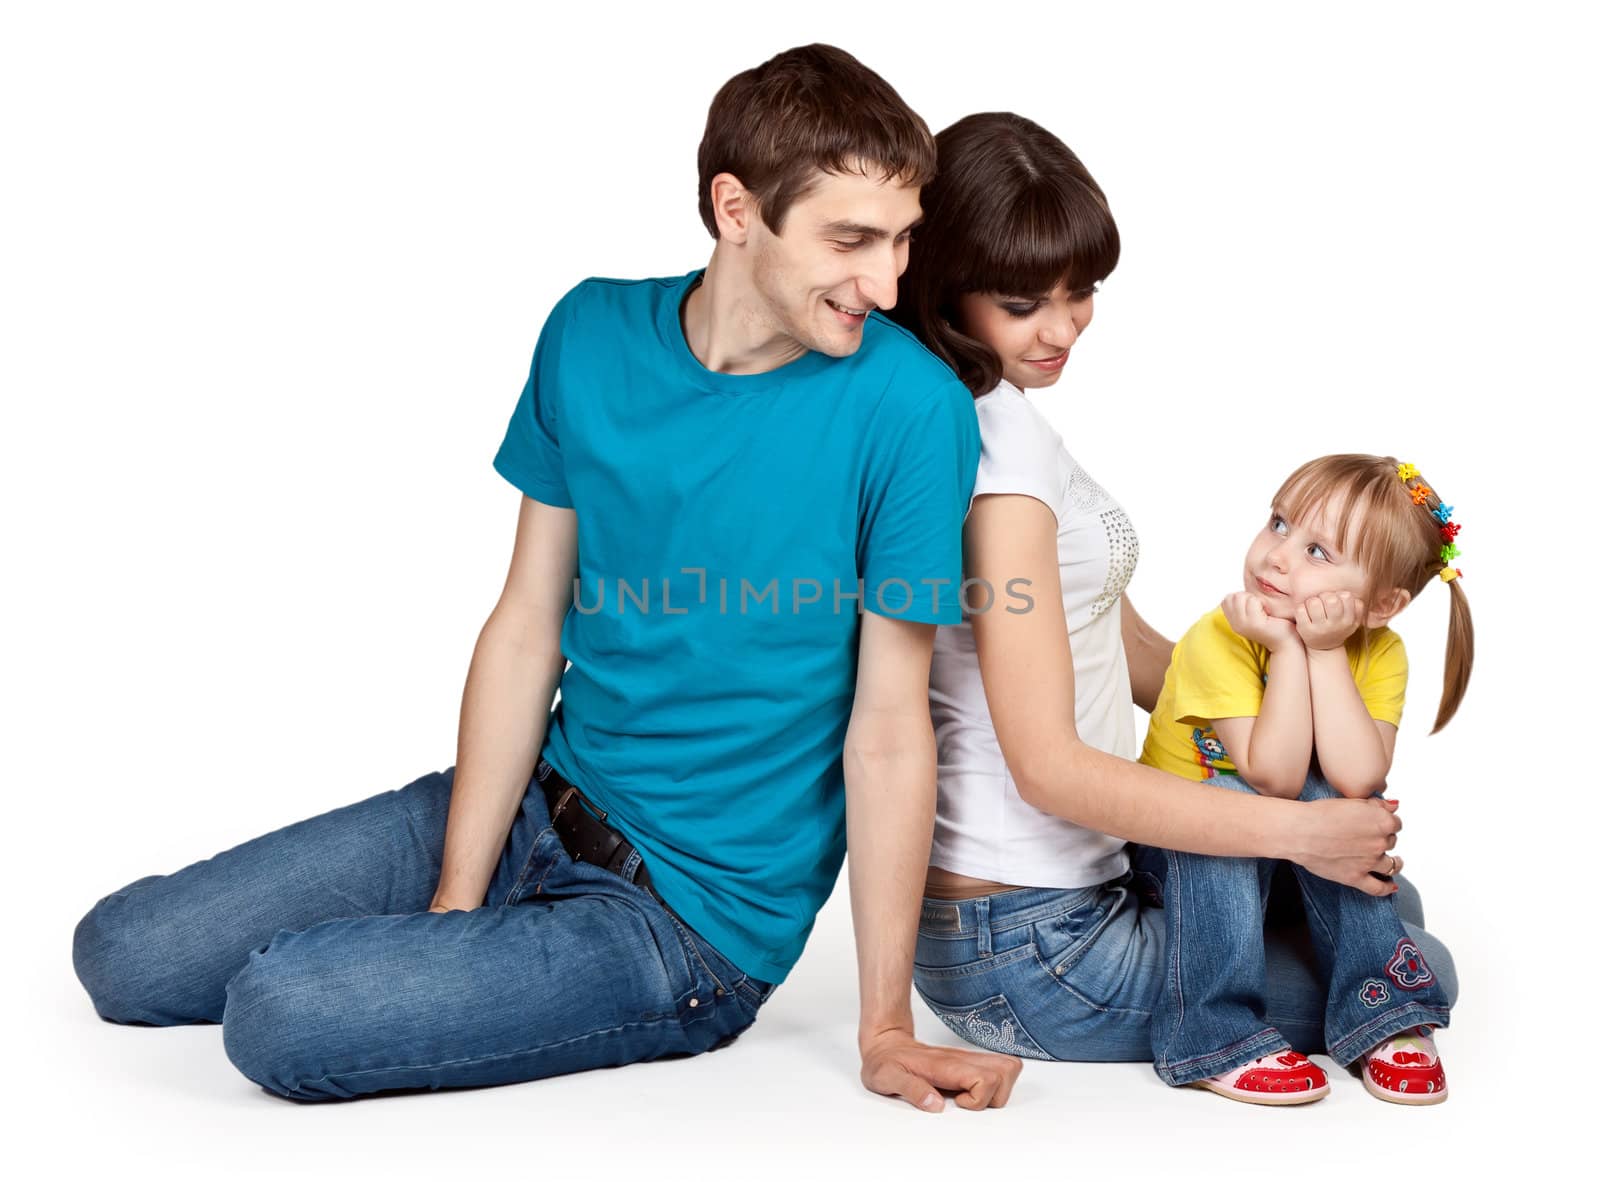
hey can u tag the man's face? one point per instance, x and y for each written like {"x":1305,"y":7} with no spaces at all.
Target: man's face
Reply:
{"x":843,"y":248}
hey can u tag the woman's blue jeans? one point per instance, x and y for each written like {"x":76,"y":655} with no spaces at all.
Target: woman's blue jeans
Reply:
{"x":1078,"y":974}
{"x":313,"y":946}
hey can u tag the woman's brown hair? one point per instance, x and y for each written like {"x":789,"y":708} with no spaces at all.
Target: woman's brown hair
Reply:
{"x":1399,"y":544}
{"x":1011,"y":211}
{"x":808,"y":111}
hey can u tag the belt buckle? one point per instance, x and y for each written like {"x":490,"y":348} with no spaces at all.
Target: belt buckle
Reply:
{"x":567,"y":796}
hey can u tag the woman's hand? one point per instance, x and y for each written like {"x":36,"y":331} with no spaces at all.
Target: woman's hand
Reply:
{"x":1348,"y":841}
{"x":1327,"y":620}
{"x":1247,"y":615}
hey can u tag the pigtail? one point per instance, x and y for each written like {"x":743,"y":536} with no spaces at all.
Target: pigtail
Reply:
{"x":1457,"y":655}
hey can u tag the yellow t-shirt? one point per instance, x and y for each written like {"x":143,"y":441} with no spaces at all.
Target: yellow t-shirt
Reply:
{"x":1216,"y":673}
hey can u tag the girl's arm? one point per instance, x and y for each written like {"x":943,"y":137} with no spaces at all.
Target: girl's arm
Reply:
{"x":1026,"y":665}
{"x":1272,"y":750}
{"x":1149,"y":653}
{"x":1354,"y":750}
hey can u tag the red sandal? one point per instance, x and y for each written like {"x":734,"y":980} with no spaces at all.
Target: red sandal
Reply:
{"x":1286,"y":1077}
{"x":1405,"y":1069}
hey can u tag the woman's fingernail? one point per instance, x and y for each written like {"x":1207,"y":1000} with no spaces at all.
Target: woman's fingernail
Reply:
{"x":933,"y":1103}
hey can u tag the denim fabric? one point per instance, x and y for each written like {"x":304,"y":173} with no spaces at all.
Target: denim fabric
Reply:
{"x":1212,"y":1016}
{"x":313,"y":947}
{"x":1077,"y":974}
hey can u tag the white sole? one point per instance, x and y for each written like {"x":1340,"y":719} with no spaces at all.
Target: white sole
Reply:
{"x":1272,"y":1099}
{"x":1411,"y":1098}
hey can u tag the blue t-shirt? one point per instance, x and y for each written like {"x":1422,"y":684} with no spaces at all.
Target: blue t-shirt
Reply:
{"x":730,"y":530}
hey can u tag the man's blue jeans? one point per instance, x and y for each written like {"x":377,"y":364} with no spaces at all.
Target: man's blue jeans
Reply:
{"x":313,"y":946}
{"x":1212,"y":1016}
{"x":1076,"y":974}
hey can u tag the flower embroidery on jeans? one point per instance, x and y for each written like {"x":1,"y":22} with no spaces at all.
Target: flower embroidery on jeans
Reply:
{"x":1374,"y":993}
{"x":1406,"y":968}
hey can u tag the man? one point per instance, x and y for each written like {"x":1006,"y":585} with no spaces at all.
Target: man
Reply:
{"x":743,"y":495}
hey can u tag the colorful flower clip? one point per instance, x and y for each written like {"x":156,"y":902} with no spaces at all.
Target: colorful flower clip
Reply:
{"x":1420,"y":493}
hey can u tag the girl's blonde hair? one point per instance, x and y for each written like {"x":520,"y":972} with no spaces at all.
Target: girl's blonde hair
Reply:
{"x":1398,"y":545}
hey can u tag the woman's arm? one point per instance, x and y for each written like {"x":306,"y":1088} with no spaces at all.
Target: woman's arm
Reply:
{"x":1354,"y":750}
{"x":1026,"y":665}
{"x":1148,"y":652}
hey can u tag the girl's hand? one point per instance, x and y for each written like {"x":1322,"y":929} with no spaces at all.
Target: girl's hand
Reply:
{"x":1327,"y":620}
{"x":1247,"y":616}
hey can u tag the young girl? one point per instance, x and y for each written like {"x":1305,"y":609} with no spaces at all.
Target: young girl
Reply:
{"x":1293,"y":688}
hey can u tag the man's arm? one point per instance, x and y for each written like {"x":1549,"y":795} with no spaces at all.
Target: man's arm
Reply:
{"x":515,"y":670}
{"x":889,"y":770}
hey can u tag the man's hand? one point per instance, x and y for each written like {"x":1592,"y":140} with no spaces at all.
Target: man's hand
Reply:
{"x":1247,"y":615}
{"x":1349,"y":841}
{"x":1327,"y":620}
{"x":894,"y":1063}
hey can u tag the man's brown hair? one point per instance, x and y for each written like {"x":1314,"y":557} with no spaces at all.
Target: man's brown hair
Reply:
{"x":810,"y":110}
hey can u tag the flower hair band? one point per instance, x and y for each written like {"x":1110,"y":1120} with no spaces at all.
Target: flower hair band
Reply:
{"x":1440,"y":512}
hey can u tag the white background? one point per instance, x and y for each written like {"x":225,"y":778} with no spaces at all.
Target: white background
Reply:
{"x":272,"y":276}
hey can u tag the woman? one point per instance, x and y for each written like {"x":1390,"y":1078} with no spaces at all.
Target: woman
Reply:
{"x":1038,"y":937}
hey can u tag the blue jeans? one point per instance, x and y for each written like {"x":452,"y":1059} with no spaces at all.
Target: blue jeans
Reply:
{"x":313,"y":947}
{"x":1077,"y":974}
{"x":1212,"y":1016}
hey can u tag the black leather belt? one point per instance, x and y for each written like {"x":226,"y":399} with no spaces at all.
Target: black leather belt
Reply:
{"x":582,"y":828}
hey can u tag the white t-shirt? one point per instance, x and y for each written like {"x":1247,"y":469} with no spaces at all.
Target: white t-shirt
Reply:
{"x":984,"y":828}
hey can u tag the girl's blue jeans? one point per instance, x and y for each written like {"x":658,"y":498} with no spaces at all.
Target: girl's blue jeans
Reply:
{"x":313,"y":946}
{"x":1212,"y":1016}
{"x":1080,"y":974}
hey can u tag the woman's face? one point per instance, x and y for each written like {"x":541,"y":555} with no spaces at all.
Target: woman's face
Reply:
{"x":1031,"y":334}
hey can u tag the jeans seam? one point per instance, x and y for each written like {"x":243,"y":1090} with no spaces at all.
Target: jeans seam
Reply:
{"x":527,"y":865}
{"x":1185,"y":1071}
{"x":688,"y":939}
{"x":1174,"y":909}
{"x":665,"y":1019}
{"x":1384,"y":1026}
{"x":1314,"y":914}
{"x":973,"y":968}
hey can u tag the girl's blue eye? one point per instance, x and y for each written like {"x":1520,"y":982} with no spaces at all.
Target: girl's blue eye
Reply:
{"x":1316,"y":551}
{"x":1279,"y":525}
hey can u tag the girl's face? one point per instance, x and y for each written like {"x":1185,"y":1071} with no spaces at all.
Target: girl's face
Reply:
{"x":1293,"y":561}
{"x":1031,"y":334}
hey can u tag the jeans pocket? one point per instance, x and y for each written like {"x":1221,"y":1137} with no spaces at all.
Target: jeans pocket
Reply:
{"x":991,"y":1024}
{"x":1066,"y":944}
